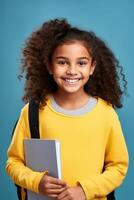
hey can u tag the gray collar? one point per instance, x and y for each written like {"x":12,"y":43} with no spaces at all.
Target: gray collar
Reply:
{"x":79,"y":111}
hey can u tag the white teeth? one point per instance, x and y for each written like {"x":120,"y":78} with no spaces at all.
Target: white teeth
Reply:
{"x":72,"y":80}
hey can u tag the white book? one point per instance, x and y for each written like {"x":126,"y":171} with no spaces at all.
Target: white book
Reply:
{"x":42,"y":155}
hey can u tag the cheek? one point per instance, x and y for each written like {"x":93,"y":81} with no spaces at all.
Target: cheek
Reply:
{"x":86,"y":73}
{"x":58,"y":71}
{"x":57,"y":76}
{"x":90,"y":71}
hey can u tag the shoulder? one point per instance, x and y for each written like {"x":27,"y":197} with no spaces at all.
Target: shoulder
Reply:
{"x":110,"y":116}
{"x":107,"y":109}
{"x":24,"y":109}
{"x":24,"y":113}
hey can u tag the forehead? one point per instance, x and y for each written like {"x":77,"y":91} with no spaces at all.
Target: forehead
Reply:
{"x":71,"y":50}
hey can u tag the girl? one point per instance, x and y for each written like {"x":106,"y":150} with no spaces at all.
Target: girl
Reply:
{"x":73,"y":75}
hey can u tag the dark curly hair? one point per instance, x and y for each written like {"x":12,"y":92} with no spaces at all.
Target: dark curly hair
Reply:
{"x":38,"y":52}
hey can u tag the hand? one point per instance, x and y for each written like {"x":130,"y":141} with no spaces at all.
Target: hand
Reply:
{"x":72,"y":193}
{"x":51,"y":186}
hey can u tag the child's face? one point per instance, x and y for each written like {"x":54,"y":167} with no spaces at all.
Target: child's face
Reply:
{"x":71,"y":67}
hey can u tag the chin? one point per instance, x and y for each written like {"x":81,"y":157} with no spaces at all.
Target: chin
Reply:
{"x":71,"y":91}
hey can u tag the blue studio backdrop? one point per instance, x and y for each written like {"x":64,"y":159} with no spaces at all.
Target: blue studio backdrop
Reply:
{"x":111,"y":20}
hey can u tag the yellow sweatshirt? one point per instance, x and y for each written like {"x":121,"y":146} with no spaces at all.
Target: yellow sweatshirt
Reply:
{"x":93,"y":149}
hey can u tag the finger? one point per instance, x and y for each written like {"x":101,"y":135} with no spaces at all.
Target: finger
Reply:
{"x":53,"y":195}
{"x":49,"y":186}
{"x":66,"y":198}
{"x":53,"y":186}
{"x":55,"y":191}
{"x":56,"y":181}
{"x":62,"y":195}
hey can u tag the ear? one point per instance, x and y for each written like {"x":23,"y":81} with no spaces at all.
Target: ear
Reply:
{"x":49,"y":68}
{"x":92,"y":68}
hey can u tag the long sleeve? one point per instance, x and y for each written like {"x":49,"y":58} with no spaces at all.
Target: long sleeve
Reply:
{"x":115,"y":167}
{"x":15,"y":166}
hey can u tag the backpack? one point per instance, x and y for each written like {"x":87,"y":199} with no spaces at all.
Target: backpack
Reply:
{"x":34,"y":130}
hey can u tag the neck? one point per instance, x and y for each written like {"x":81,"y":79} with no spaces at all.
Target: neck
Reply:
{"x":71,"y":101}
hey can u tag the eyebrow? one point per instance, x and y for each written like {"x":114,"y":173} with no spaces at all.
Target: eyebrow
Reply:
{"x":62,"y":57}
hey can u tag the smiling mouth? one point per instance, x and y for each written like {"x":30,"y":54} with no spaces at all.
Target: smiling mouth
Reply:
{"x":71,"y":81}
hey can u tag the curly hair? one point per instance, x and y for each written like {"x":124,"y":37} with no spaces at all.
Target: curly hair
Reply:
{"x":38,"y":51}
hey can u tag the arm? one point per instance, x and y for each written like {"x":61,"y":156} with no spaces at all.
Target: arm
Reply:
{"x":15,"y":166}
{"x":22,"y":175}
{"x":115,"y":166}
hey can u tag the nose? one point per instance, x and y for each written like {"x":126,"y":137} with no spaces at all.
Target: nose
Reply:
{"x":71,"y":70}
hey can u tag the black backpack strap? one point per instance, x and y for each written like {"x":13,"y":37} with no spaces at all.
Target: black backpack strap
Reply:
{"x":33,"y":117}
{"x":111,"y":196}
{"x":33,"y":114}
{"x":18,"y":191}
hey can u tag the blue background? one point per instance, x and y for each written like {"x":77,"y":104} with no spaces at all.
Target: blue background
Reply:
{"x":111,"y":20}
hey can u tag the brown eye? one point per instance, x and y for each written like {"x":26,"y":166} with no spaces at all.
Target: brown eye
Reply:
{"x":82,"y":63}
{"x":62,"y":62}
